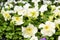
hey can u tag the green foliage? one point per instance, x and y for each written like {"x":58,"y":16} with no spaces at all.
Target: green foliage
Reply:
{"x":14,"y":32}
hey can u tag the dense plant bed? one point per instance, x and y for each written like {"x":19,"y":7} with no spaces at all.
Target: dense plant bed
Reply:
{"x":30,"y":20}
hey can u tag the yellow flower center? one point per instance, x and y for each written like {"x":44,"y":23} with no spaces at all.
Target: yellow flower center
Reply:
{"x":28,"y":30}
{"x":17,"y":18}
{"x":7,"y":15}
{"x":33,"y":13}
{"x":46,"y":27}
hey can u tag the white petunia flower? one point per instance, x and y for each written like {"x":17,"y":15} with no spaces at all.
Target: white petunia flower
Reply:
{"x":17,"y":20}
{"x":57,"y":21}
{"x":6,"y":15}
{"x":58,"y":37}
{"x":43,"y":8}
{"x":26,"y":6}
{"x":57,"y":11}
{"x":10,"y":0}
{"x":32,"y":12}
{"x":29,"y":31}
{"x":35,"y":1}
{"x":19,"y":10}
{"x":47,"y":2}
{"x":34,"y":38}
{"x":8,"y":5}
{"x":48,"y":29}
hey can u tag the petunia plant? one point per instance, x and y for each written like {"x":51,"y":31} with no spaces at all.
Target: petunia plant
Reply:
{"x":30,"y":19}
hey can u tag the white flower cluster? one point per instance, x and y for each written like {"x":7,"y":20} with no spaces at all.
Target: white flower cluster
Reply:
{"x":47,"y":28}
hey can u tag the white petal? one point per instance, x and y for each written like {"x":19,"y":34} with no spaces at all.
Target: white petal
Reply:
{"x":51,"y":24}
{"x":26,"y":6}
{"x":41,"y":25}
{"x":34,"y":38}
{"x":57,"y":21}
{"x":58,"y":37}
{"x":43,"y":8}
{"x":23,"y":28}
